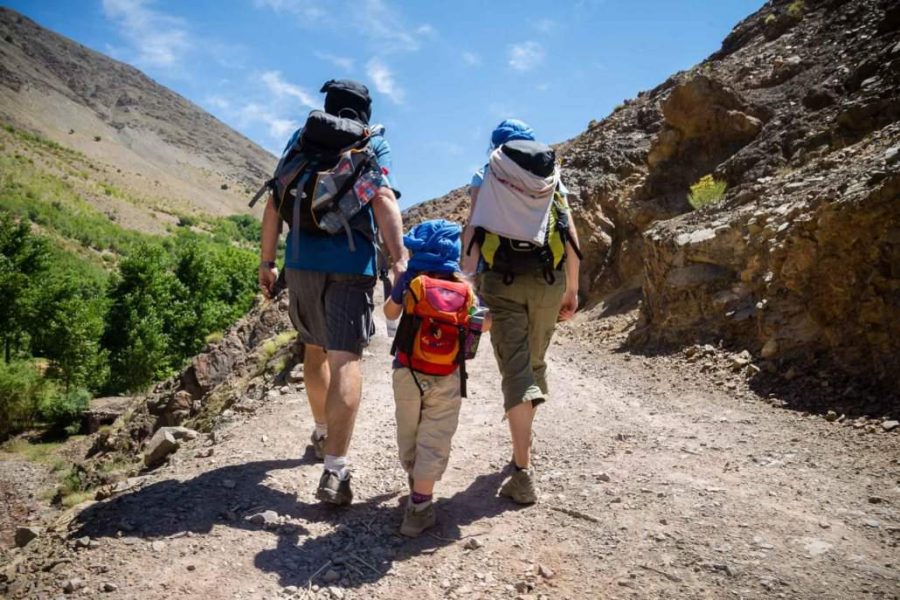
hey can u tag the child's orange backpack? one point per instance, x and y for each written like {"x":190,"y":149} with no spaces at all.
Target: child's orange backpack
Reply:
{"x":432,"y":332}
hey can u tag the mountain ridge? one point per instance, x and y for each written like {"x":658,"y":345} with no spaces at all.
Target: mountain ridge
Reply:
{"x":116,"y":114}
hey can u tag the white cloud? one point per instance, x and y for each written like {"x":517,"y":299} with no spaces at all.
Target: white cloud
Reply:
{"x":277,"y":126}
{"x":160,"y":40}
{"x":471,"y":59}
{"x":426,"y":30}
{"x":341,"y":62}
{"x":545,"y":26}
{"x":218,"y":102}
{"x":383,"y":25}
{"x":281,"y":88}
{"x":526,"y":56}
{"x":280,"y":129}
{"x":383,"y":78}
{"x":310,"y":10}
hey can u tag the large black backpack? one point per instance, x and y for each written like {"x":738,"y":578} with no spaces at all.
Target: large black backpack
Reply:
{"x":534,"y":157}
{"x":318,"y":184}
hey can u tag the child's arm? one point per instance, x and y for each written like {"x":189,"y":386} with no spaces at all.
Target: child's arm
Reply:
{"x":392,"y":310}
{"x":393,"y":306}
{"x":486,"y":324}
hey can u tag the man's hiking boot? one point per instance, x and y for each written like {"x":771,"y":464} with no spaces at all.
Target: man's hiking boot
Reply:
{"x":417,"y":521}
{"x":318,"y":445}
{"x":520,"y":487}
{"x":334,"y":490}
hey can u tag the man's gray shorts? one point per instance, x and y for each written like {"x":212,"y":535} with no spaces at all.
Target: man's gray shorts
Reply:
{"x":332,"y":310}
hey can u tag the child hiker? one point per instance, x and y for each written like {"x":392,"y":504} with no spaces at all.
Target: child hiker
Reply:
{"x":439,"y":325}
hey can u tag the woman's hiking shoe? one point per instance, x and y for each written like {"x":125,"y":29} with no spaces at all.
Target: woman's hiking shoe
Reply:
{"x":318,"y":445}
{"x":416,"y":521}
{"x":520,"y":487}
{"x":334,"y":490}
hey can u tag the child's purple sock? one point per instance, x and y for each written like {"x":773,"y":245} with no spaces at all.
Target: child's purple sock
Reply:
{"x":418,"y":498}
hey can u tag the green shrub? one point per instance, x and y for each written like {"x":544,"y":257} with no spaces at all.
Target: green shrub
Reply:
{"x":796,"y":8}
{"x":62,"y":413}
{"x":706,"y":191}
{"x":22,"y":391}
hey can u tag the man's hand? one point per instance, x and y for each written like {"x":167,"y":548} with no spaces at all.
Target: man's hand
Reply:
{"x":569,"y":305}
{"x":267,"y":278}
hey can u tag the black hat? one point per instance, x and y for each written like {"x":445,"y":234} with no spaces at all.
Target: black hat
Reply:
{"x":347,"y":98}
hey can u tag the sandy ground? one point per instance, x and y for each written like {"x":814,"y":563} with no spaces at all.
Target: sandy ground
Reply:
{"x":655,"y":484}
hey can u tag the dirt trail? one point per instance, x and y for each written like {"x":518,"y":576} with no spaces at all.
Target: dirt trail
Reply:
{"x":655,"y":485}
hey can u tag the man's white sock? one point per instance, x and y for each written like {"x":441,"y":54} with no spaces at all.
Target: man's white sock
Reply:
{"x":321,"y":430}
{"x":338,"y":465}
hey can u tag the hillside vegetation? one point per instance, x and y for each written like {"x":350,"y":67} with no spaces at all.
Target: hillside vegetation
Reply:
{"x":90,"y":307}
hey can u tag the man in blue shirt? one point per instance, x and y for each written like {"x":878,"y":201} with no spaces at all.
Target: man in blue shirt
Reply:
{"x":330,"y":286}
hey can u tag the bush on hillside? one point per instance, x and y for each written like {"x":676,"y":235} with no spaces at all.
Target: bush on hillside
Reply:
{"x":62,"y":412}
{"x":706,"y":191}
{"x":22,"y":391}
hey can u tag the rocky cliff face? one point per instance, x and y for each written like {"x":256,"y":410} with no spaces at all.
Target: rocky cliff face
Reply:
{"x":798,"y":115}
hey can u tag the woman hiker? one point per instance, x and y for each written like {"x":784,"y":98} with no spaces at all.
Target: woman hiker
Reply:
{"x":520,"y":239}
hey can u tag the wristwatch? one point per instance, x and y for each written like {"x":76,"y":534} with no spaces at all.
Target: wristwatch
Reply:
{"x":268,"y":264}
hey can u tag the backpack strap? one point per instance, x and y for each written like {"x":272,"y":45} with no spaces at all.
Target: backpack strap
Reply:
{"x":461,"y":360}
{"x":477,"y":237}
{"x":562,"y":225}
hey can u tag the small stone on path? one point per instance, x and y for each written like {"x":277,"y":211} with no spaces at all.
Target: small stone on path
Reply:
{"x":73,"y":585}
{"x":24,"y":535}
{"x":890,"y":425}
{"x":472,"y":544}
{"x":330,"y":576}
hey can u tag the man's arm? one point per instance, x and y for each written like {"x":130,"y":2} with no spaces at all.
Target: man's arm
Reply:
{"x":470,"y":260}
{"x":390,"y":224}
{"x":268,"y":249}
{"x":573,"y":264}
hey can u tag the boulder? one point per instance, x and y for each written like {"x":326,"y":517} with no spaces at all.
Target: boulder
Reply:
{"x":160,"y":446}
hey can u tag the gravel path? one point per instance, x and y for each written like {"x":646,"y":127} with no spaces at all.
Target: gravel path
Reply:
{"x":655,"y":484}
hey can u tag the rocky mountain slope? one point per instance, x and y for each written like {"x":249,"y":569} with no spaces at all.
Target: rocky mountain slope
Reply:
{"x":153,"y":142}
{"x":797,"y":114}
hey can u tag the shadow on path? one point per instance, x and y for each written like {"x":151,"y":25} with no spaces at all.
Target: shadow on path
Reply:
{"x":215,"y":497}
{"x":361,"y":548}
{"x":364,"y":547}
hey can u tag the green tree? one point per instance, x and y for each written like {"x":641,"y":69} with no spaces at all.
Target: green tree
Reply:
{"x":216,"y":286}
{"x":67,"y":331}
{"x":23,"y":259}
{"x":144,"y":300}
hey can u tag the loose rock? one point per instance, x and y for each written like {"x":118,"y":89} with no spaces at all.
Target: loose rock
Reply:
{"x":24,"y":535}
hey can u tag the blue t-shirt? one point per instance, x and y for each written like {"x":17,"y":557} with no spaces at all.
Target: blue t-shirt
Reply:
{"x":331,"y":253}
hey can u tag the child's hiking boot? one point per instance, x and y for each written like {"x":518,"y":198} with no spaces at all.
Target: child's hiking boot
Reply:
{"x":416,"y":520}
{"x":318,"y":445}
{"x":520,"y":487}
{"x":334,"y":490}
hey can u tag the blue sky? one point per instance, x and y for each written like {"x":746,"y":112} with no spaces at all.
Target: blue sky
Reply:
{"x":442,"y":74}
